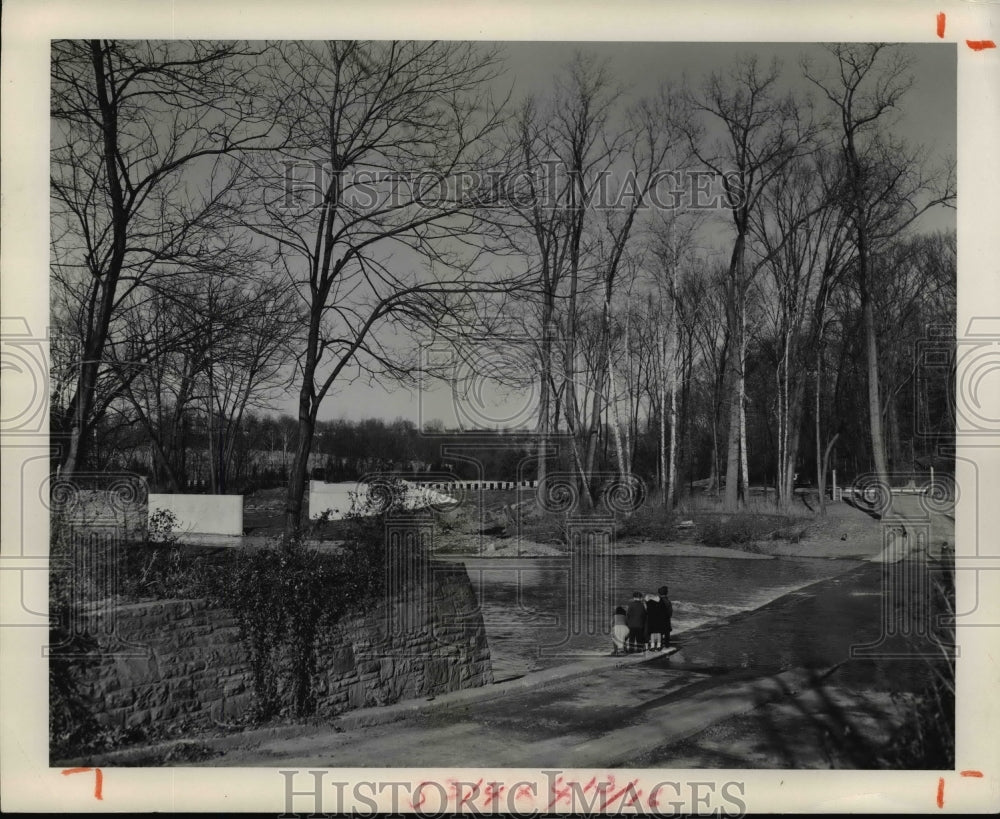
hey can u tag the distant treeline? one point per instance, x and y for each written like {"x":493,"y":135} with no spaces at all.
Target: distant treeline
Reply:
{"x":344,"y":450}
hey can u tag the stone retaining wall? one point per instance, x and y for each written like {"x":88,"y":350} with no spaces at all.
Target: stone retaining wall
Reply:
{"x":192,"y":666}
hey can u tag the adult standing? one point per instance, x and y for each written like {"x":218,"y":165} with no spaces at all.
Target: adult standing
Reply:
{"x":635,"y":619}
{"x":666,"y":609}
{"x":656,"y":621}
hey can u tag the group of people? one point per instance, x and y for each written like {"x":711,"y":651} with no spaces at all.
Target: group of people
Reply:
{"x":644,"y":624}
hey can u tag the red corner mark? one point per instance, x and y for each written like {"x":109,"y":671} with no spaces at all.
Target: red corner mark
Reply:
{"x":940,"y":789}
{"x":940,"y":24}
{"x":98,"y":779}
{"x":979,"y":45}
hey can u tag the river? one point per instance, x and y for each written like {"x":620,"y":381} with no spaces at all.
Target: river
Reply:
{"x":524,"y":601}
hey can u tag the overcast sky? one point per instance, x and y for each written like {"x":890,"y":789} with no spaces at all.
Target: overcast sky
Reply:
{"x":928,"y":118}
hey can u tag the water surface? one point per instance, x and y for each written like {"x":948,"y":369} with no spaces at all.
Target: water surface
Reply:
{"x":524,"y":601}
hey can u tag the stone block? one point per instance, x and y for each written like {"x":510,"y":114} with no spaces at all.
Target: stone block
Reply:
{"x":436,"y":672}
{"x":387,"y":668}
{"x":341,"y":661}
{"x":356,"y":695}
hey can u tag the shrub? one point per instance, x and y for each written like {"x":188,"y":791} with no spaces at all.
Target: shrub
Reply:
{"x":649,"y":521}
{"x":739,"y":528}
{"x":163,"y":527}
{"x":166,"y":572}
{"x":793,"y":533}
{"x":544,"y":527}
{"x":283,"y":597}
{"x":926,"y":738}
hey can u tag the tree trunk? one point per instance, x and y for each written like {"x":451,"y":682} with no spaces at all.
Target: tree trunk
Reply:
{"x":631,"y":404}
{"x":733,"y":453}
{"x":793,"y":427}
{"x":544,"y":396}
{"x":744,"y":461}
{"x":616,"y":420}
{"x":661,"y":394}
{"x":210,"y":440}
{"x":299,"y":474}
{"x":713,"y":476}
{"x":82,"y":405}
{"x":820,"y":467}
{"x":596,"y":409}
{"x":733,"y":440}
{"x":81,"y":408}
{"x":782,"y":460}
{"x":672,"y":469}
{"x":874,"y":400}
{"x":734,"y":314}
{"x":823,"y":469}
{"x":685,"y":391}
{"x":306,"y":427}
{"x":864,"y":274}
{"x":895,"y":450}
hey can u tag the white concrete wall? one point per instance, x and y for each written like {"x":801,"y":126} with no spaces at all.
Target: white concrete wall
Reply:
{"x":332,"y":496}
{"x":202,"y":514}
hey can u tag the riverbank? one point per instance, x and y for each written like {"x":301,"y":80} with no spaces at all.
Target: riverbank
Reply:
{"x":773,"y":688}
{"x":844,"y":532}
{"x":715,"y":703}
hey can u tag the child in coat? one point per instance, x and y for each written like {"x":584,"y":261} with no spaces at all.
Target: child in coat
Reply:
{"x":619,"y":631}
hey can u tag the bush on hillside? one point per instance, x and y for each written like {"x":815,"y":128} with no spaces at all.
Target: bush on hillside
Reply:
{"x":741,"y":528}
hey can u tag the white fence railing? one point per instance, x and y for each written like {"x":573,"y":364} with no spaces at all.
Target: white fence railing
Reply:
{"x":455,"y":486}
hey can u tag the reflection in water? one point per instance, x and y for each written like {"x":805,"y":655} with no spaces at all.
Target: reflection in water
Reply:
{"x":524,"y":601}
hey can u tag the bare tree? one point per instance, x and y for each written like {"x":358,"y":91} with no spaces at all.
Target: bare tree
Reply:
{"x":249,"y":327}
{"x":712,"y":337}
{"x":541,"y":230}
{"x":885,"y":187}
{"x":800,"y":238}
{"x":562,"y":155}
{"x":652,"y":136}
{"x":158,"y":366}
{"x":916,"y":290}
{"x":370,"y":212}
{"x":761,"y":132}
{"x":210,"y":349}
{"x":673,"y":250}
{"x":138,"y":127}
{"x":588,"y":166}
